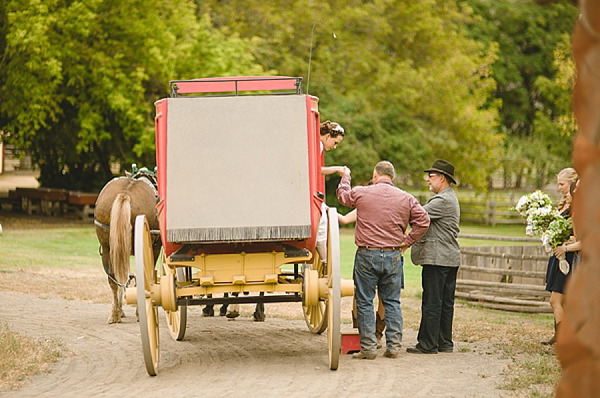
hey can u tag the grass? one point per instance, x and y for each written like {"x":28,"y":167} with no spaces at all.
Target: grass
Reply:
{"x":534,"y":367}
{"x":21,"y":357}
{"x":49,"y":248}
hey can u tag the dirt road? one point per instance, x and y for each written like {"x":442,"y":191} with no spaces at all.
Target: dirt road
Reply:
{"x":222,"y":358}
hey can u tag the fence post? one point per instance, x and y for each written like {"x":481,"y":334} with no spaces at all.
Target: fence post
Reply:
{"x":493,"y":212}
{"x":486,"y":216}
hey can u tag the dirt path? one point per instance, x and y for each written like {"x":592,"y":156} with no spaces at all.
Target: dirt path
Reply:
{"x":217,"y":358}
{"x":221,"y":358}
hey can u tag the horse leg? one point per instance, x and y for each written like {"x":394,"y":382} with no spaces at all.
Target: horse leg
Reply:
{"x":259,"y":311}
{"x":223,"y":310}
{"x":121,"y":294}
{"x":209,"y":310}
{"x":234,"y":309}
{"x":117,"y":302}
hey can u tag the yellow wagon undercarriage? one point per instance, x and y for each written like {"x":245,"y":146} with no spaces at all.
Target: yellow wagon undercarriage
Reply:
{"x":177,"y":284}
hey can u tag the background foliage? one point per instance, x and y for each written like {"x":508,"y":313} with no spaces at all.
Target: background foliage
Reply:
{"x":484,"y":84}
{"x":535,"y":75}
{"x":79,"y":78}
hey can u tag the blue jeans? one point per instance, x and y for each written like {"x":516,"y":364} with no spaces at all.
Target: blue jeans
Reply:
{"x":437,"y":308}
{"x":381,"y":269}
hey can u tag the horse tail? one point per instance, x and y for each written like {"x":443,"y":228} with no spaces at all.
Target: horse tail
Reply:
{"x":120,"y":237}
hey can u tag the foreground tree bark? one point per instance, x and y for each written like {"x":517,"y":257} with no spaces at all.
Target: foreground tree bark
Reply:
{"x":578,"y":348}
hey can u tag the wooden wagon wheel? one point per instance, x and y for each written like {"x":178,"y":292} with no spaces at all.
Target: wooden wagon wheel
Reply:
{"x":316,"y":315}
{"x":176,"y":320}
{"x":145,"y":279}
{"x":334,"y":294}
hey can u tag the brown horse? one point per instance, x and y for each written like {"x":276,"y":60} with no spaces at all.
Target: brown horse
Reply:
{"x":119,"y":203}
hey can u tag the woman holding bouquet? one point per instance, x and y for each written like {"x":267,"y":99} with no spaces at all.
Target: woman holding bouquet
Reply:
{"x":555,"y":278}
{"x":574,"y":244}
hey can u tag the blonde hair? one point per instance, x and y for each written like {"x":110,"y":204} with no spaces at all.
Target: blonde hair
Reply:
{"x":570,"y":175}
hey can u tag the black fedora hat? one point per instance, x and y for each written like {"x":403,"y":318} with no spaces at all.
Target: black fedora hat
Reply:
{"x":444,"y":167}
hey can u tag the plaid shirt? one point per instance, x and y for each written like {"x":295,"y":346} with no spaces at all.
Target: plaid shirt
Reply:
{"x":383,"y":214}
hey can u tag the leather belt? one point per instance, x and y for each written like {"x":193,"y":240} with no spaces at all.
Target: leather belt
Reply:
{"x":378,"y":248}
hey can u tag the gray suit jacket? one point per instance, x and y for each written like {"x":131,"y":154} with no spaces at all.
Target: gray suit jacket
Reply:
{"x":439,"y":245}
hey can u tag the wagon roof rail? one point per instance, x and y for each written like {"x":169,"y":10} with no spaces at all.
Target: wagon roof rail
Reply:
{"x":237,"y":86}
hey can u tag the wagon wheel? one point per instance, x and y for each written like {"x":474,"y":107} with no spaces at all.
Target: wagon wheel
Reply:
{"x":145,"y":279}
{"x":316,"y":315}
{"x":334,"y":294}
{"x":176,"y":320}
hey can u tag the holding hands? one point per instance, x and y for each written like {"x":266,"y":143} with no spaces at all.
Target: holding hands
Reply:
{"x":344,"y":170}
{"x":404,"y":247}
{"x":341,"y":170}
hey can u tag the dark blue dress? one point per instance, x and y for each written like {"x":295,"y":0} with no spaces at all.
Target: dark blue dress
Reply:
{"x":555,"y":279}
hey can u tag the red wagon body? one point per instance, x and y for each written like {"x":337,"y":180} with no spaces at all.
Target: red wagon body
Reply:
{"x":228,"y":88}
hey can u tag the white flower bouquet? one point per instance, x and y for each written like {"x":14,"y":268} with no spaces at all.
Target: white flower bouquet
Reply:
{"x":537,"y":208}
{"x":540,"y":218}
{"x":532,"y":201}
{"x":558,"y":232}
{"x":544,"y":220}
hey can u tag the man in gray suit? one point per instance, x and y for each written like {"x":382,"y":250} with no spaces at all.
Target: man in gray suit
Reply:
{"x":439,"y":254}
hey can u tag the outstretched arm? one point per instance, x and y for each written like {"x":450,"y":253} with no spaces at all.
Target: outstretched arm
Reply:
{"x":344,"y":190}
{"x":348,"y":218}
{"x":332,"y":170}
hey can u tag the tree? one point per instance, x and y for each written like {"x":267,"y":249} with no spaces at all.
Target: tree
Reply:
{"x":528,"y":36}
{"x":402,"y":77}
{"x":79,"y":78}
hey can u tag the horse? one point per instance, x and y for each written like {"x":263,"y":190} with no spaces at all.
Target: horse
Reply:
{"x":233,"y":310}
{"x":121,"y":200}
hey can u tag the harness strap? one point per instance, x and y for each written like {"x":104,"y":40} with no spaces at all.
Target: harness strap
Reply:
{"x":99,"y":224}
{"x":107,"y":227}
{"x":105,"y":266}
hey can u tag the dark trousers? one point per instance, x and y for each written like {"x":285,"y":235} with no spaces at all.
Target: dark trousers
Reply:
{"x":437,"y":309}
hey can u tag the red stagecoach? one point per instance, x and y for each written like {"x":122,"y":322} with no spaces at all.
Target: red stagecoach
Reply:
{"x":240,"y":195}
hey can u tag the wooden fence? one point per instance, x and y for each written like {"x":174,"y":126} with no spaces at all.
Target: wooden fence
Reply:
{"x":508,"y":278}
{"x":489,"y":212}
{"x":485,"y":210}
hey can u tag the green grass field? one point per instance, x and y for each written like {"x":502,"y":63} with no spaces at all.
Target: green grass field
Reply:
{"x":52,"y":247}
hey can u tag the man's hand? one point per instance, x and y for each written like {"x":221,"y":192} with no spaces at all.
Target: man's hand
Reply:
{"x":404,"y":247}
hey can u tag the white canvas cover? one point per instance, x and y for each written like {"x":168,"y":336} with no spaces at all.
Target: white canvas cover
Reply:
{"x":237,"y":169}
